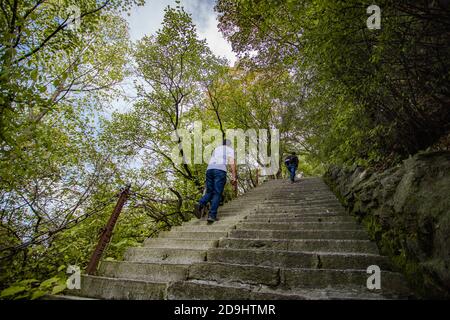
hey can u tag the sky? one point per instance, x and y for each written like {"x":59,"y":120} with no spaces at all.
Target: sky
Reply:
{"x":147,"y":20}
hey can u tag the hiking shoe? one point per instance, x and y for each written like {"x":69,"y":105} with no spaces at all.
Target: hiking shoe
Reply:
{"x":211,"y":219}
{"x":198,"y":210}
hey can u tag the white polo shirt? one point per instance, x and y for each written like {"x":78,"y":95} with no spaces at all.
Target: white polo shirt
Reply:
{"x":219,"y":158}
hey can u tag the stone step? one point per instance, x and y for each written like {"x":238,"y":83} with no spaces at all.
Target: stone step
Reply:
{"x":143,"y":271}
{"x":299,"y":193}
{"x":300,"y":234}
{"x":180,"y":243}
{"x":210,"y":290}
{"x":313,"y":245}
{"x":205,"y":227}
{"x":298,"y":208}
{"x":298,"y":218}
{"x":199,"y":235}
{"x":278,"y":241}
{"x":165,"y":255}
{"x":120,"y":289}
{"x":293,"y":278}
{"x":298,"y":225}
{"x":224,"y":221}
{"x":301,"y":202}
{"x":292,"y":196}
{"x":287,"y":192}
{"x":229,"y":272}
{"x":392,"y":283}
{"x":279,"y":214}
{"x":298,"y":259}
{"x":301,"y":211}
{"x":64,"y":297}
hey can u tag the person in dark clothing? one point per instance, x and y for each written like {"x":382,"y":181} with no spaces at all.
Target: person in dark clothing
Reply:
{"x":291,"y":163}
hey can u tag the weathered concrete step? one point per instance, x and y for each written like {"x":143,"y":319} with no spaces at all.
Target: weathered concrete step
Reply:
{"x":299,"y":192}
{"x":120,"y":289}
{"x":64,"y":297}
{"x":143,"y":271}
{"x":299,"y":207}
{"x":293,"y":278}
{"x":299,"y":218}
{"x":165,"y":255}
{"x":299,"y":210}
{"x":205,"y":235}
{"x":210,"y":290}
{"x":295,"y":195}
{"x":293,"y":202}
{"x":294,"y":191}
{"x":392,"y":283}
{"x":294,"y":208}
{"x":282,"y":214}
{"x":299,"y":202}
{"x":313,"y":245}
{"x":229,"y":272}
{"x":205,"y":227}
{"x":300,"y":234}
{"x":298,"y":225}
{"x":179,"y":243}
{"x":229,"y":214}
{"x":224,"y":221}
{"x":241,"y":206}
{"x":207,"y":290}
{"x":298,"y":259}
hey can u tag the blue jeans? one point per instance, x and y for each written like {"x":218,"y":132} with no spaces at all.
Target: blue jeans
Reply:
{"x":292,"y":170}
{"x":215,"y":183}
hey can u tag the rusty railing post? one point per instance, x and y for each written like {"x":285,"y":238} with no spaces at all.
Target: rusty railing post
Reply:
{"x":107,"y":232}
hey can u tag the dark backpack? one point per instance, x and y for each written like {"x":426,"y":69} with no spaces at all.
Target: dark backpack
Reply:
{"x":287,"y":161}
{"x":291,"y":160}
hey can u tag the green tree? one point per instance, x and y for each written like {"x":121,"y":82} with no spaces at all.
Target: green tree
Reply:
{"x":373,"y":96}
{"x":53,"y":83}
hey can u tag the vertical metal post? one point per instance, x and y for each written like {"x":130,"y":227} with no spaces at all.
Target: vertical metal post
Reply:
{"x":235,"y":189}
{"x":107,"y":232}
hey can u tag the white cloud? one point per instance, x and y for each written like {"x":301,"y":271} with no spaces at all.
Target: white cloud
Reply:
{"x":215,"y":40}
{"x":147,"y":20}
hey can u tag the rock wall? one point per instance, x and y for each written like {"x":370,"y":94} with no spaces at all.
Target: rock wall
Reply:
{"x":406,"y":210}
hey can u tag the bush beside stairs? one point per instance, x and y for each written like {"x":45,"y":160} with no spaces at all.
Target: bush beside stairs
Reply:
{"x":278,"y":241}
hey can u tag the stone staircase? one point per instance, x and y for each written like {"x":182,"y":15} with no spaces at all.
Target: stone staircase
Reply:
{"x":278,"y":241}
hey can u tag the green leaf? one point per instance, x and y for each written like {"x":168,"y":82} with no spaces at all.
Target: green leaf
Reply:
{"x":11,"y":291}
{"x":28,"y":281}
{"x":34,"y":75}
{"x":37,"y":294}
{"x":48,"y":282}
{"x":59,"y":288}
